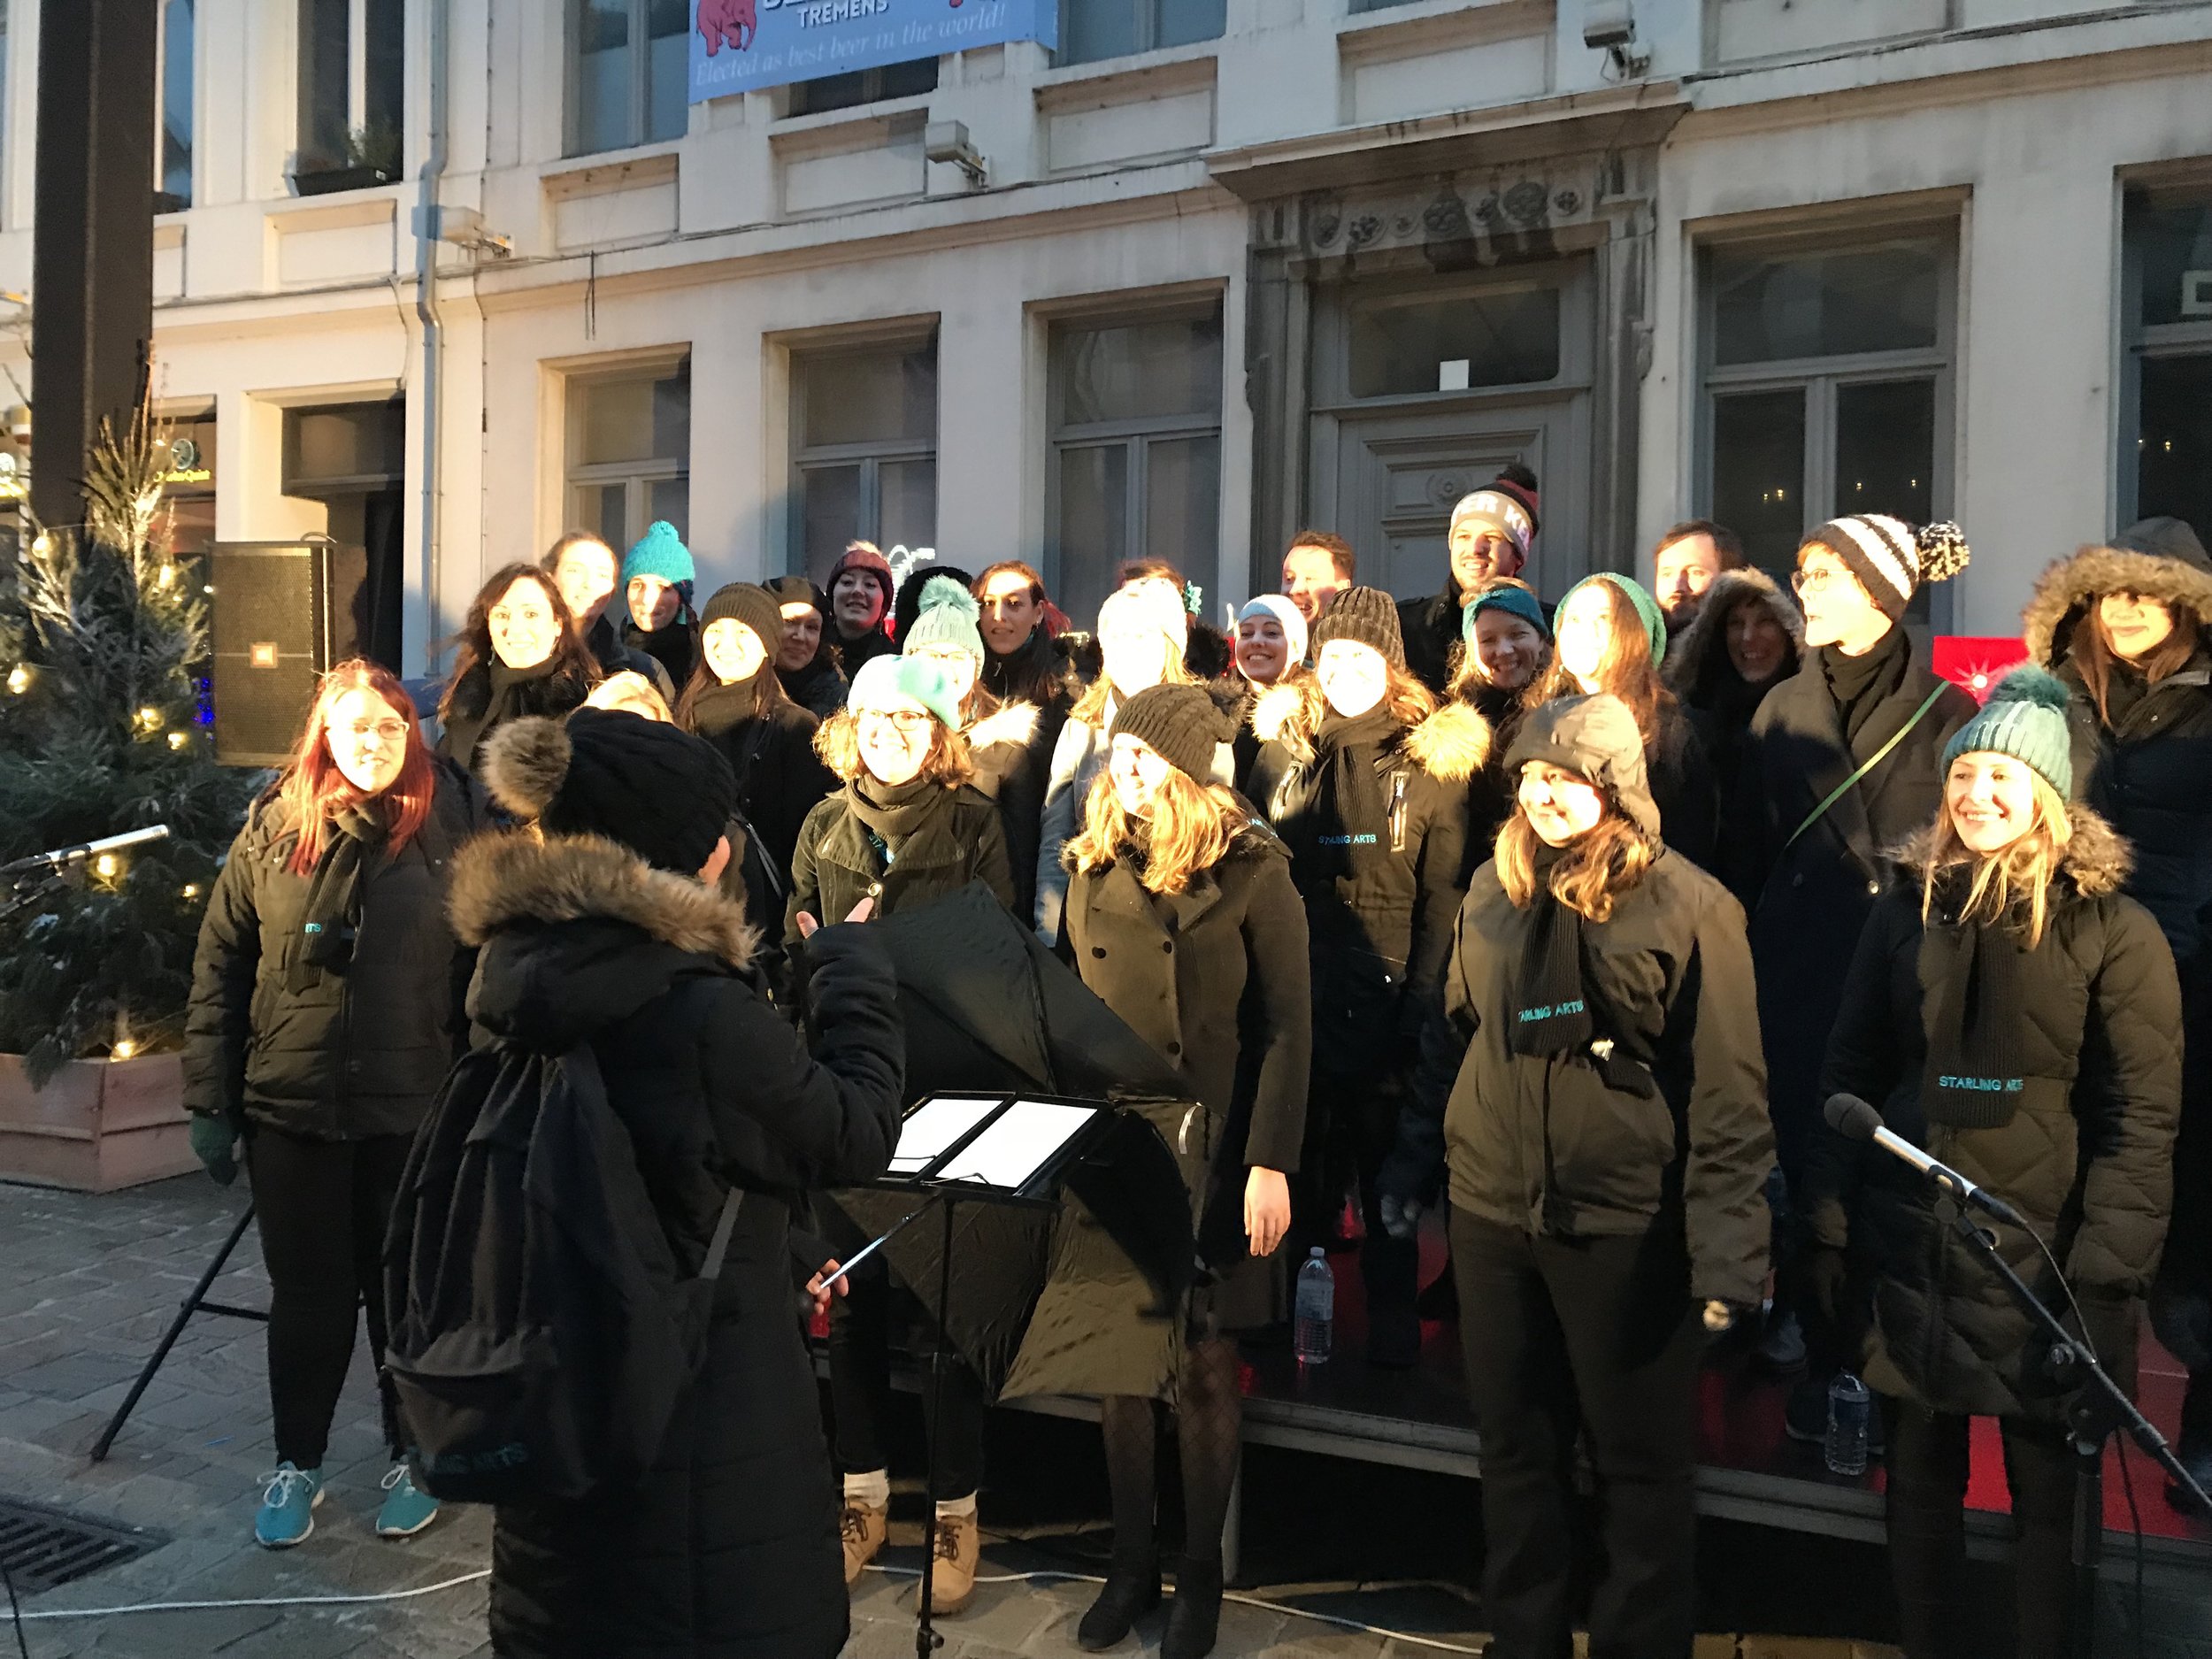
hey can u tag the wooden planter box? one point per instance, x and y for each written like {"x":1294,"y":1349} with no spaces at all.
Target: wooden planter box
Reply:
{"x":97,"y":1124}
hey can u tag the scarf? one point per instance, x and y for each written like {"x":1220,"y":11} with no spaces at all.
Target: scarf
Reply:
{"x":1971,"y":1078}
{"x":1349,"y":825}
{"x":1028,"y":673}
{"x":1859,"y":684}
{"x":722,"y":708}
{"x":1551,"y":1013}
{"x":330,"y":918}
{"x":890,"y":812}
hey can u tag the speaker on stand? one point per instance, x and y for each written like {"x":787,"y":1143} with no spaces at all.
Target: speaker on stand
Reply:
{"x":281,"y":615}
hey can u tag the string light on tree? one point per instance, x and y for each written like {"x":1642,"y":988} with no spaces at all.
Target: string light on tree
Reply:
{"x":18,"y":679}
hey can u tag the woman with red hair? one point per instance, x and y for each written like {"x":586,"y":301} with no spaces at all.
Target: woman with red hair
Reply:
{"x":326,"y":1009}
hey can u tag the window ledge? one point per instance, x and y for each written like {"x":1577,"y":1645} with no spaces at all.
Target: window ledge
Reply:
{"x":647,"y":165}
{"x":611,"y":160}
{"x":1129,"y":63}
{"x":1398,"y":31}
{"x":821,"y":120}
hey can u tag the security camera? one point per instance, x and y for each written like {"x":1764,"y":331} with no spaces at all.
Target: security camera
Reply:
{"x":1610,"y":27}
{"x":948,"y":142}
{"x":1608,"y":24}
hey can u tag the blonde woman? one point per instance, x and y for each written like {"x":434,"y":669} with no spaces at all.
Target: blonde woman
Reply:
{"x":1607,"y":1142}
{"x":2010,"y":1011}
{"x":1184,"y":922}
{"x":1142,"y":630}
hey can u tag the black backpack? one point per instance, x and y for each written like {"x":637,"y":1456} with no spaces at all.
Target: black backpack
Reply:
{"x":541,"y":1330}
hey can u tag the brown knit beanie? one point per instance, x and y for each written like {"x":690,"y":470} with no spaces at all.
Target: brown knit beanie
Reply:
{"x":1182,"y":723}
{"x":1367,"y":616}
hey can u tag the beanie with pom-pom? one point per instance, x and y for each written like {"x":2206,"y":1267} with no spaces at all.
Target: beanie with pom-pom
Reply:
{"x":661,"y":792}
{"x":2024,"y":718}
{"x":946,"y":618}
{"x":1890,"y":557}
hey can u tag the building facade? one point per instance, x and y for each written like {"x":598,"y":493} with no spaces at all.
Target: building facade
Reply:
{"x":1199,"y":274}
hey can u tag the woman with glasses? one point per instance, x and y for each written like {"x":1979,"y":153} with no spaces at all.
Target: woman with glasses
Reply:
{"x":1845,"y":759}
{"x":906,"y":828}
{"x":327,"y":1007}
{"x":520,"y":654}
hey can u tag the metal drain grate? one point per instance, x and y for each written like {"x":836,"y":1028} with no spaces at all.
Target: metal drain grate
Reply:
{"x":45,"y":1548}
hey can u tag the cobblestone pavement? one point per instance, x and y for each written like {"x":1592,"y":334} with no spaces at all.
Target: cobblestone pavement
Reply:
{"x":89,"y":1283}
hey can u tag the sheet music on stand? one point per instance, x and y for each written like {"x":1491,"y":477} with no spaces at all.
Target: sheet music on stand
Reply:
{"x":1010,"y":1145}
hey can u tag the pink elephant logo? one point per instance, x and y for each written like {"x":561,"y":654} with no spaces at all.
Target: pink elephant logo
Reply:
{"x":734,"y":23}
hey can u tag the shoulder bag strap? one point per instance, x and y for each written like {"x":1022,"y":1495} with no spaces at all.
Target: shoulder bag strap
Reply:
{"x":711,"y":1269}
{"x":1868,"y":763}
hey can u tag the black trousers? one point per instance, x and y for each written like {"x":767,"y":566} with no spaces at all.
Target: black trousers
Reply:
{"x":322,"y":1208}
{"x":860,"y":1391}
{"x":1600,"y":1337}
{"x":1928,"y":1466}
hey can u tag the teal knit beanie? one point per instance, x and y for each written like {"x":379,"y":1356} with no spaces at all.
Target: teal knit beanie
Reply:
{"x":2024,"y":718}
{"x":1509,"y":597}
{"x":946,"y":618}
{"x":1647,"y":611}
{"x":659,"y":552}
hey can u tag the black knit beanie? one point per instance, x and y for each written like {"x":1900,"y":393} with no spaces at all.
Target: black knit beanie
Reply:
{"x":661,"y":792}
{"x":1182,"y":723}
{"x":1367,"y":616}
{"x":755,"y":607}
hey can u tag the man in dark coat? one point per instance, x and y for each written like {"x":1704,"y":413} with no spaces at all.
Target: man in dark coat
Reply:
{"x":1492,"y":533}
{"x":608,"y":934}
{"x":1844,"y":760}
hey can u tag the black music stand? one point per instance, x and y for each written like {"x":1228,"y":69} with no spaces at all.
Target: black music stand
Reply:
{"x":194,"y":1301}
{"x":1000,"y":1149}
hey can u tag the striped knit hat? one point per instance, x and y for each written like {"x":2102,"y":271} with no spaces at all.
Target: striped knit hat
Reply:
{"x":1890,"y":557}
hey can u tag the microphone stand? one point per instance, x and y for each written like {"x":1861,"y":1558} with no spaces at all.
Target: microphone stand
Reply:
{"x":2100,"y":1406}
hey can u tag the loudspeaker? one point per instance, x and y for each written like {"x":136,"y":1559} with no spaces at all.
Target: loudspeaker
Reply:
{"x":282,"y":614}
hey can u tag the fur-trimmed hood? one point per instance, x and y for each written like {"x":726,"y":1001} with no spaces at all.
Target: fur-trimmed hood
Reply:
{"x":1697,"y":646}
{"x":1014,"y":723}
{"x":2096,"y":863}
{"x":2065,"y":590}
{"x":499,"y":880}
{"x":1453,"y":744}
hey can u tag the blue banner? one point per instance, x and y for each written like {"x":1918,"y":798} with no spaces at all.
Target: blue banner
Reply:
{"x":743,"y":45}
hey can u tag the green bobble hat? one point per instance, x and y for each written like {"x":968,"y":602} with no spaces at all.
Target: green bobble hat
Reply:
{"x":885,"y":682}
{"x":2024,"y":718}
{"x":1647,"y":611}
{"x":946,"y":618}
{"x":659,"y":552}
{"x":1514,"y":598}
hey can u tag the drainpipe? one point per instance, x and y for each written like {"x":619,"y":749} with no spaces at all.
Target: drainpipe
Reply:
{"x":427,"y":241}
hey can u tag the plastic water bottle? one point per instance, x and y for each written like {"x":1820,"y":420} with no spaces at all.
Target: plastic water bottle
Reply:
{"x":1849,"y":1406}
{"x":1316,"y":1320}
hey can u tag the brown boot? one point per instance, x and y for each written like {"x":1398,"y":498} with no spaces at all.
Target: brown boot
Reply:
{"x":864,"y":1528}
{"x":959,"y":1546}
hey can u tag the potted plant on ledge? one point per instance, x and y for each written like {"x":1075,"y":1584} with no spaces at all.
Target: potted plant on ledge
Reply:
{"x":102,"y":730}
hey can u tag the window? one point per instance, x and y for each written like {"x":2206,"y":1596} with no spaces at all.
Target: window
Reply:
{"x":632,"y":66}
{"x":1827,"y":388}
{"x":629,"y":448}
{"x":2166,"y":420}
{"x":1135,"y":410}
{"x":1497,"y":334}
{"x":172,"y":142}
{"x":857,"y":87}
{"x":1093,"y":30}
{"x":351,"y":90}
{"x":864,"y":462}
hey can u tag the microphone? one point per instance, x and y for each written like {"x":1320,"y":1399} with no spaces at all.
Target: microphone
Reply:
{"x":63,"y":855}
{"x":1853,"y":1119}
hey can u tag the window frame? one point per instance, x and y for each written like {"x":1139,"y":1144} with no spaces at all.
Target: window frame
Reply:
{"x":308,"y":167}
{"x":637,"y":476}
{"x":166,"y":201}
{"x":1133,"y":435}
{"x":872,"y":455}
{"x":2141,"y":342}
{"x":872,"y":89}
{"x":1147,"y":34}
{"x":1822,"y":377}
{"x":641,"y":78}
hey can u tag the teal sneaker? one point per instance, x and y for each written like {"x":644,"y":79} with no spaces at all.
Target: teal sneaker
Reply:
{"x":288,"y":1506}
{"x":406,"y":1510}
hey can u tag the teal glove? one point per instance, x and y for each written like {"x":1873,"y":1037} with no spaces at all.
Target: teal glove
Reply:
{"x":213,"y":1143}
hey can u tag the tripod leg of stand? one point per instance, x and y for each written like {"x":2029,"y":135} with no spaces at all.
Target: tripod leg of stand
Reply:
{"x":189,"y":1306}
{"x":1232,"y":1524}
{"x":925,"y":1637}
{"x":2088,"y":1544}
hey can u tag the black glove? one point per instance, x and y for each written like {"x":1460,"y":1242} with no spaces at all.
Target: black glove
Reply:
{"x":213,"y":1143}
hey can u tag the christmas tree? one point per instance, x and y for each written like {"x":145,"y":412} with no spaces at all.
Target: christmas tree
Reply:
{"x":103,"y":729}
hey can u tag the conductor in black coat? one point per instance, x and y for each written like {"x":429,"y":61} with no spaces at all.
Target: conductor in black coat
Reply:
{"x":603,"y":926}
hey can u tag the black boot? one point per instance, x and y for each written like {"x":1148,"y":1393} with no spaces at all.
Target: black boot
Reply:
{"x":1131,"y":1591}
{"x":1194,"y":1619}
